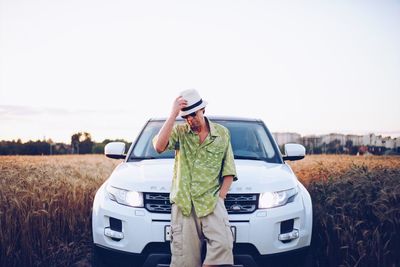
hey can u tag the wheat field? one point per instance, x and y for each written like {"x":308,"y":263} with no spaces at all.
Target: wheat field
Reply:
{"x":45,"y":210}
{"x":356,"y":205}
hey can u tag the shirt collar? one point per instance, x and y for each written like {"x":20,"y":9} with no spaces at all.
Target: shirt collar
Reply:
{"x":213,"y":130}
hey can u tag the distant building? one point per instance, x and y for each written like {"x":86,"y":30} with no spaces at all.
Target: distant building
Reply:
{"x":312,"y":143}
{"x":285,"y":138}
{"x":373,"y":140}
{"x":369,"y":139}
{"x":356,"y":140}
{"x":340,"y":143}
{"x":397,"y":142}
{"x":329,"y":138}
{"x":389,"y":143}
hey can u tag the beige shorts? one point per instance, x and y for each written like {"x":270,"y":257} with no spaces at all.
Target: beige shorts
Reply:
{"x":188,"y":234}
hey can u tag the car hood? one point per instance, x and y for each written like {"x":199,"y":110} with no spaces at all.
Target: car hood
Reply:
{"x":156,"y":176}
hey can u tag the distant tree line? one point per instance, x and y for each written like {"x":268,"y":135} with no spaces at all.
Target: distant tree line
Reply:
{"x":81,"y":143}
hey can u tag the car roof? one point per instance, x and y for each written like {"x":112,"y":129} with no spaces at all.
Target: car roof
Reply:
{"x":215,"y":117}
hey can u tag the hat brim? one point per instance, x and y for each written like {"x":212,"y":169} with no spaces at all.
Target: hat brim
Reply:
{"x":186,"y":112}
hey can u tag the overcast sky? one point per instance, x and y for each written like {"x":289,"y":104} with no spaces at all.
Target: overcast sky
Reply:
{"x":107,"y":66}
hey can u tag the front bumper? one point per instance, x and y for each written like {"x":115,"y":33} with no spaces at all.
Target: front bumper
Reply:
{"x":159,"y":254}
{"x":270,"y":231}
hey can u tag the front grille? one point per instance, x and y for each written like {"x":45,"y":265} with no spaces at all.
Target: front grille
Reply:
{"x":234,"y":203}
{"x":157,"y":202}
{"x":241,"y":203}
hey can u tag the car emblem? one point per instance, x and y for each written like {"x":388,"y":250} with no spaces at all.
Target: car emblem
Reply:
{"x":235,"y":207}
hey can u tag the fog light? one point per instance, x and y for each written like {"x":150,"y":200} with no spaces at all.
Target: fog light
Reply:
{"x":113,"y":234}
{"x":289,"y":236}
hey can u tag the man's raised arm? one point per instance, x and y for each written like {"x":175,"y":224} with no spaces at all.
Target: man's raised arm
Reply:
{"x":165,"y":131}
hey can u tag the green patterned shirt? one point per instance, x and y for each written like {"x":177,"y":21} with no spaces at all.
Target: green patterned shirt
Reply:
{"x":198,"y":167}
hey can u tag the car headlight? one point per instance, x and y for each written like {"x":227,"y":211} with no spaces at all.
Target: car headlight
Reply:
{"x":125,"y":197}
{"x":275,"y":199}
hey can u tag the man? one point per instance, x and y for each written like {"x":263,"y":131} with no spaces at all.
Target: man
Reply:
{"x":203,"y":173}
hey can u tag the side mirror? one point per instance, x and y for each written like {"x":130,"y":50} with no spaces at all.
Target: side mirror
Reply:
{"x":294,"y":152}
{"x":115,"y":150}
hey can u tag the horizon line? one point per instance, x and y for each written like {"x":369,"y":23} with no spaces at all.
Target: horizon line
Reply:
{"x":391,"y":134}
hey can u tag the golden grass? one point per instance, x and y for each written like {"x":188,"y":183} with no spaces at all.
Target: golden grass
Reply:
{"x":45,"y":211}
{"x":45,"y":207}
{"x":356,"y":203}
{"x":324,"y":167}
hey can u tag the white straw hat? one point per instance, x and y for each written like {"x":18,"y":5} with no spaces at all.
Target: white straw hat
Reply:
{"x":194,"y":101}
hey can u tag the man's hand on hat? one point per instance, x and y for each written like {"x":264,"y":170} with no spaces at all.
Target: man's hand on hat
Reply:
{"x":179,"y":104}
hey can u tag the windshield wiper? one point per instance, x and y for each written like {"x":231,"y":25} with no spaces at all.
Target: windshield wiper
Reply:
{"x":248,"y":157}
{"x":142,"y":158}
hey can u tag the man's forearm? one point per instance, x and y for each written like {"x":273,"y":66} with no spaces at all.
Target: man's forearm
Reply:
{"x":226,"y":184}
{"x":164,"y":134}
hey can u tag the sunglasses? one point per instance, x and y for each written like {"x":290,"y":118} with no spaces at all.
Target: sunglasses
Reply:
{"x":193,"y":114}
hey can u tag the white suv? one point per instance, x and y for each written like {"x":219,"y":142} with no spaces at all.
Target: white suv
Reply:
{"x":269,"y":209}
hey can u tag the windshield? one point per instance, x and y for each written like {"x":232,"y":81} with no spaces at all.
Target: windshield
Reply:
{"x":250,"y":140}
